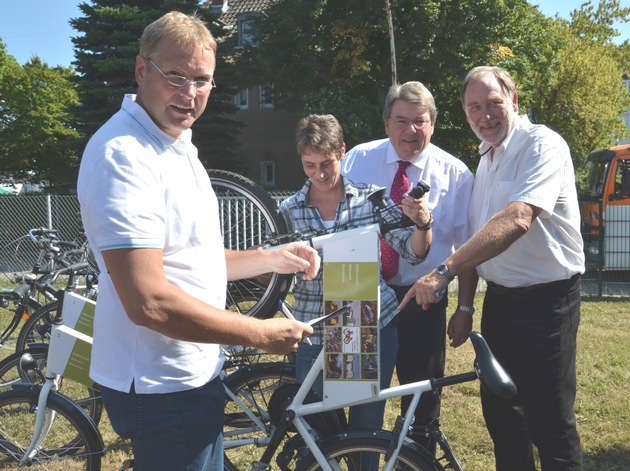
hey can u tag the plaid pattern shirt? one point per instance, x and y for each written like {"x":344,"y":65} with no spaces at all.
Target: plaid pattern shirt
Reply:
{"x":354,"y":211}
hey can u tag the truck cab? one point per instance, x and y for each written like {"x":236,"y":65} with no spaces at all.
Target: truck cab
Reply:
{"x":605,"y":208}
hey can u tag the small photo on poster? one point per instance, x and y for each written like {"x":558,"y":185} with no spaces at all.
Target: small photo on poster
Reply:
{"x":351,"y":317}
{"x":351,"y":338}
{"x":369,"y":313}
{"x":334,"y":365}
{"x":352,"y":367}
{"x":369,"y":366}
{"x":332,"y":339}
{"x":369,"y":339}
{"x":332,"y":306}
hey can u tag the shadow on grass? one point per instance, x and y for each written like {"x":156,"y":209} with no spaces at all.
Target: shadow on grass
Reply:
{"x":615,"y":458}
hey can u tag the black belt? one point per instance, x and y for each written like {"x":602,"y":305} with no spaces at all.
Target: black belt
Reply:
{"x":551,"y":286}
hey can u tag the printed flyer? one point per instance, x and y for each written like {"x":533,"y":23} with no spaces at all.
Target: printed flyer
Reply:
{"x":351,"y":281}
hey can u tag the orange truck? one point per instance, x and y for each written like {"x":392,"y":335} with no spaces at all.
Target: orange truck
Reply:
{"x":605,"y":208}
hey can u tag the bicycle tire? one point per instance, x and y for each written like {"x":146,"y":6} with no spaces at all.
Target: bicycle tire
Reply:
{"x":357,"y":449}
{"x":254,"y":385}
{"x":86,"y":397}
{"x":72,"y":443}
{"x":21,"y":311}
{"x":35,"y":332}
{"x":246,"y":225}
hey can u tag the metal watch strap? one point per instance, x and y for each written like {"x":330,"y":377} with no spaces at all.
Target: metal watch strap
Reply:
{"x":468,"y":309}
{"x":444,"y":271}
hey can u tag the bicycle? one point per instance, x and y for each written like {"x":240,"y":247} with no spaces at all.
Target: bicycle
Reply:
{"x":33,"y":291}
{"x":312,"y":447}
{"x":64,"y":437}
{"x":249,"y":384}
{"x":36,"y":329}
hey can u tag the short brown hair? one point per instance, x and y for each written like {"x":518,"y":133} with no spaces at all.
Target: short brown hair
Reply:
{"x":319,"y":132}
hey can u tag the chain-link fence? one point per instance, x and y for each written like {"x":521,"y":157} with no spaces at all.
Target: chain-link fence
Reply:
{"x":607,"y":250}
{"x":19,"y":214}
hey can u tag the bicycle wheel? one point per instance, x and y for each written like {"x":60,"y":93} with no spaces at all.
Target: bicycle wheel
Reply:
{"x":248,"y":217}
{"x":253,"y":385}
{"x":11,"y":372}
{"x":72,"y":443}
{"x":36,"y":330}
{"x":86,"y":397}
{"x":366,"y":450}
{"x":19,"y":309}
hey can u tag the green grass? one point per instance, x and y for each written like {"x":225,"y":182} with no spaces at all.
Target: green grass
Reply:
{"x":602,"y":406}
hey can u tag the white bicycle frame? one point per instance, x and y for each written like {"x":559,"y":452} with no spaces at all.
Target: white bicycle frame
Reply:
{"x":44,"y":416}
{"x":302,"y":410}
{"x":61,"y":338}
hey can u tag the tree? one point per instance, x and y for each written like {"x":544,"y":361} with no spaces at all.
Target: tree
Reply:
{"x":36,"y":128}
{"x":333,"y":57}
{"x":584,"y":97}
{"x":105,"y":59}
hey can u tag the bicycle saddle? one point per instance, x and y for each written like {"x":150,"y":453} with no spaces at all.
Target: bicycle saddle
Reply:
{"x":491,"y":373}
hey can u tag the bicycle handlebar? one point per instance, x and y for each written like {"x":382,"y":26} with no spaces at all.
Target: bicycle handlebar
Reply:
{"x":47,"y":282}
{"x":377,"y":199}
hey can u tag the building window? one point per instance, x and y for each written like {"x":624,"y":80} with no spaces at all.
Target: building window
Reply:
{"x":241,"y":99}
{"x":245,"y":22}
{"x":268,"y":173}
{"x":266,"y":97}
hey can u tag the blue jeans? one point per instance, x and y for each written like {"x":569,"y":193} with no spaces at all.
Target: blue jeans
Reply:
{"x":181,"y":430}
{"x":365,"y":416}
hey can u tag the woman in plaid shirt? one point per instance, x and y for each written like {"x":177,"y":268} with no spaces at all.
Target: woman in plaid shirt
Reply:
{"x":329,"y":203}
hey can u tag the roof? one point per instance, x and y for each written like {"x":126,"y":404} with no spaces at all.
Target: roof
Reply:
{"x":237,"y":7}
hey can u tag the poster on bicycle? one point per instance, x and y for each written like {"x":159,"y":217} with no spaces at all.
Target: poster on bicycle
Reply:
{"x":351,"y":346}
{"x":71,"y":343}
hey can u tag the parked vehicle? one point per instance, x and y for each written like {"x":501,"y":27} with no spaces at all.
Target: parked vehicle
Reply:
{"x":605,"y":208}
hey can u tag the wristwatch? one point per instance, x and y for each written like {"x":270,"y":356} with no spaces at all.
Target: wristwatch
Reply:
{"x":443,"y":270}
{"x":468,"y":309}
{"x":428,"y":225}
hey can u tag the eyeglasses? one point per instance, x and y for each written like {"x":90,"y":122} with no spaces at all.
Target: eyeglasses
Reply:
{"x":403,"y":123}
{"x":202,"y":86}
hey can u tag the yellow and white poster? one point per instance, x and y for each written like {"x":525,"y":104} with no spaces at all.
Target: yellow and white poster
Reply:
{"x":351,"y":281}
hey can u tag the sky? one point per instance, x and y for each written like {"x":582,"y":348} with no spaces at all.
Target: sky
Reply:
{"x":40,"y":27}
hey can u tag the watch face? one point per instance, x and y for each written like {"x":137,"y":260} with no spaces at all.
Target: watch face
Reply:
{"x":443,"y":270}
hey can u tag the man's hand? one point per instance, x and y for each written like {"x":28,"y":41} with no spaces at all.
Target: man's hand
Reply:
{"x":459,"y":327}
{"x":427,"y":290}
{"x":297,"y":257}
{"x":280,"y":335}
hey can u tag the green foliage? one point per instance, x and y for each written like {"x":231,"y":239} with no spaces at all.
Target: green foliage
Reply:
{"x":581,"y":95}
{"x":334,"y":57}
{"x":105,"y":59}
{"x":328,"y":57}
{"x":36,"y":126}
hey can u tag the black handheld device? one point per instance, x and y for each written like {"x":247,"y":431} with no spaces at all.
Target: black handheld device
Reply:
{"x":417,"y":192}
